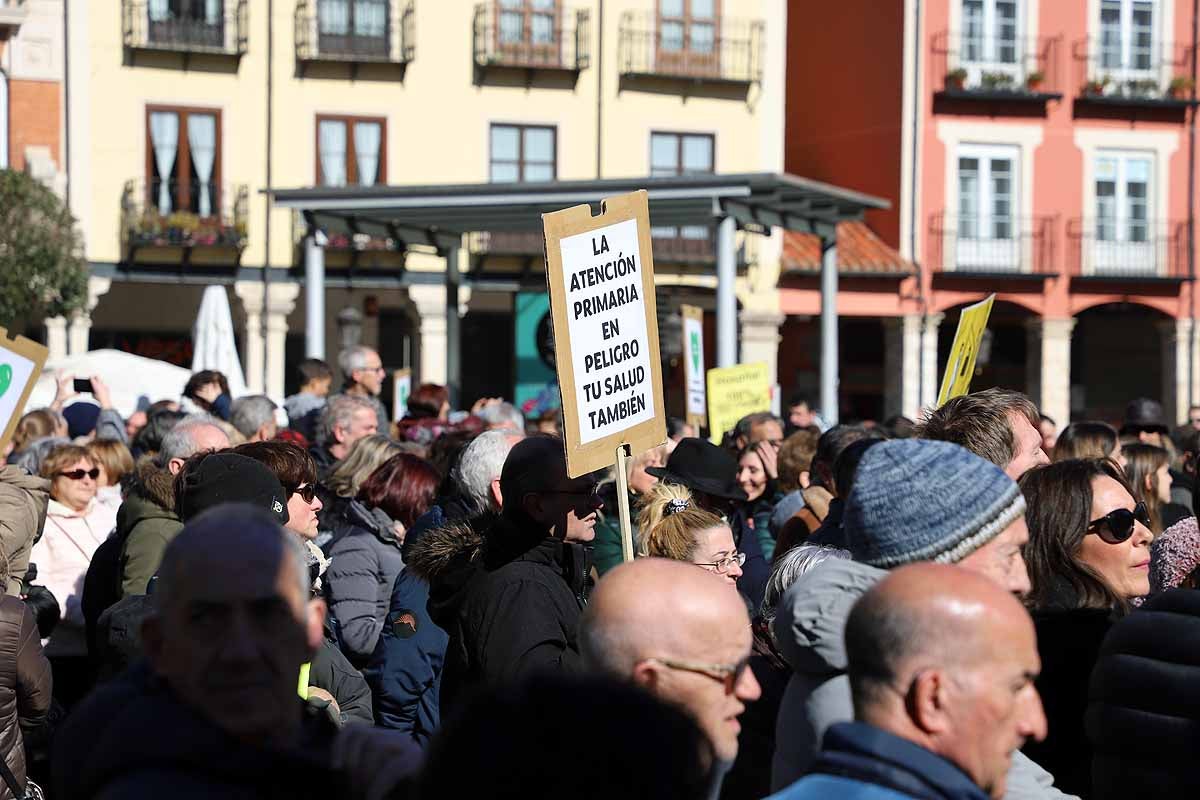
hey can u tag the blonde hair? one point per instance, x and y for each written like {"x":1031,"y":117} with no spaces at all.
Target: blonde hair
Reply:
{"x":114,"y":456}
{"x":669,"y":521}
{"x":660,"y":453}
{"x":37,"y":424}
{"x":64,"y":456}
{"x":364,"y":457}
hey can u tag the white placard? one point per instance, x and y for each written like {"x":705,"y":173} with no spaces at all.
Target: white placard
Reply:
{"x":606,"y":318}
{"x":693,"y":351}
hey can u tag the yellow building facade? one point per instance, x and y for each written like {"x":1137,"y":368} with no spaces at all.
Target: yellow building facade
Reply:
{"x":180,"y":113}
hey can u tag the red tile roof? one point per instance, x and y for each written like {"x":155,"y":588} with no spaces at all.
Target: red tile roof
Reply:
{"x":859,"y":250}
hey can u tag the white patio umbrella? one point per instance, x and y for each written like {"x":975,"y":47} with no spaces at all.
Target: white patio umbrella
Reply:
{"x":213,"y":345}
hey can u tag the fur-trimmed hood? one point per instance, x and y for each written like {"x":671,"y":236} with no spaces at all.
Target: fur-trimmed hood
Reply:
{"x":453,"y":545}
{"x":153,"y":483}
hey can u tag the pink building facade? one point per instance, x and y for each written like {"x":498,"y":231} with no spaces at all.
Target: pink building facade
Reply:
{"x":1040,"y":150}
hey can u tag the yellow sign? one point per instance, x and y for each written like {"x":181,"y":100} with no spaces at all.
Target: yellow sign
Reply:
{"x":734,"y":392}
{"x":960,"y":368}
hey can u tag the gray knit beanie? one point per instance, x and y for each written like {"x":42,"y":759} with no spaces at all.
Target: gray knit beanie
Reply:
{"x":917,"y":500}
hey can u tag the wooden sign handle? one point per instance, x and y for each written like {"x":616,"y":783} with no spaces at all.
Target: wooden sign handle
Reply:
{"x":623,"y":503}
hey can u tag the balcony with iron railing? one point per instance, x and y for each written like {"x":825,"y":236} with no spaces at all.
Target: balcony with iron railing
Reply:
{"x":996,"y":69}
{"x":1001,"y":246}
{"x":694,"y":245}
{"x":1111,"y":249}
{"x":728,"y":51}
{"x":212,"y":216}
{"x":381,"y":32}
{"x":208,"y":27}
{"x":557,"y":40}
{"x":1151,"y":77}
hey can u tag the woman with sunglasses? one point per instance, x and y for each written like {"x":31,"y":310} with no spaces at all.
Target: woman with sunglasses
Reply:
{"x":671,"y":525}
{"x":76,"y":524}
{"x":1089,"y":558}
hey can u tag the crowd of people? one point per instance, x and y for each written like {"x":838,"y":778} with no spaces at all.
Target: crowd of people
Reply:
{"x":217,"y":596}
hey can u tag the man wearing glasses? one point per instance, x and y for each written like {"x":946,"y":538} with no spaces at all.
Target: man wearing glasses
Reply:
{"x":510,"y":599}
{"x":679,"y":633}
{"x":363,"y":374}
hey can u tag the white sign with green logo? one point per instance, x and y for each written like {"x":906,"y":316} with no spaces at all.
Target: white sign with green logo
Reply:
{"x":693,"y":355}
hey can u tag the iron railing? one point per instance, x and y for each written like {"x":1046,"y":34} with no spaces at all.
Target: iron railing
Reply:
{"x":340,"y":30}
{"x":145,"y":224}
{"x":733,"y":54}
{"x":1128,"y":248}
{"x":991,"y":66}
{"x":1154,"y":75}
{"x":186,"y":27}
{"x":1010,"y":245}
{"x":694,"y":245}
{"x":556,"y":40}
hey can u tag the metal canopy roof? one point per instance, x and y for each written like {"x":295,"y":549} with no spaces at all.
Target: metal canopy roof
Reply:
{"x":441,"y":214}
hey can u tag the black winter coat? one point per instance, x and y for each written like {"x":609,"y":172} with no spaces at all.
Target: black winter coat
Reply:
{"x":1069,"y":643}
{"x":510,"y":604}
{"x":1143,"y":719}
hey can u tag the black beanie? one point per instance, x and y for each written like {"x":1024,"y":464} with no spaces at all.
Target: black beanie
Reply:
{"x":231,"y":478}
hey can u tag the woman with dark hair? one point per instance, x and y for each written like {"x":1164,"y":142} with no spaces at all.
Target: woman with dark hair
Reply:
{"x":366,"y":558}
{"x":428,"y":416}
{"x":1089,"y":558}
{"x":207,"y":392}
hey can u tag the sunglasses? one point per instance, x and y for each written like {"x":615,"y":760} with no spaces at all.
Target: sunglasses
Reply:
{"x":1117,"y":526}
{"x":726,"y":674}
{"x":80,"y":474}
{"x":307,"y":492}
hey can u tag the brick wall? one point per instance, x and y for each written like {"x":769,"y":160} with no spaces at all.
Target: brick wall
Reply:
{"x":34,"y":112}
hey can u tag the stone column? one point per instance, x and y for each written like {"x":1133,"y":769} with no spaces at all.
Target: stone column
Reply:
{"x":760,"y":339}
{"x":281,"y":301}
{"x":1048,"y":366}
{"x":81,"y":323}
{"x":253,"y":344}
{"x":902,"y":365}
{"x":930,"y":379}
{"x":430,"y":301}
{"x":1179,"y":341}
{"x":56,"y":337}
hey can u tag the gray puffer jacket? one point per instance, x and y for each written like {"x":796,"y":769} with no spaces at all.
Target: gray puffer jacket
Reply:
{"x":809,"y":628}
{"x":363,"y":567}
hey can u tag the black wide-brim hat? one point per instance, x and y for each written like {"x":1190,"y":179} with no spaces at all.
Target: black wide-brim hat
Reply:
{"x":1144,"y":414}
{"x":702,"y":467}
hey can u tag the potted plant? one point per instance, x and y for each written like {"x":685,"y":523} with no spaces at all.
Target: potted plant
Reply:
{"x":1180,"y":87}
{"x":956,"y":79}
{"x":1142,"y":87}
{"x":996,"y":80}
{"x":1096,"y":86}
{"x":1034,"y":80}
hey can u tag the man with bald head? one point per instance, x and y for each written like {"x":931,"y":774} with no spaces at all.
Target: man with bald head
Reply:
{"x":683,"y":635}
{"x":942,"y":664}
{"x":510,"y":595}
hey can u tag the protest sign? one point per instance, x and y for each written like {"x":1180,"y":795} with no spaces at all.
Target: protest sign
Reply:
{"x":600,"y":275}
{"x":21,"y":362}
{"x":960,"y":368}
{"x":734,"y":392}
{"x":401,"y":389}
{"x":693,"y":365}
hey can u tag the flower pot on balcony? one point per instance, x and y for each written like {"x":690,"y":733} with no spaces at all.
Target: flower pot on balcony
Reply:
{"x":1034,"y":81}
{"x":956,"y":80}
{"x":1180,"y":88}
{"x":1096,"y":88}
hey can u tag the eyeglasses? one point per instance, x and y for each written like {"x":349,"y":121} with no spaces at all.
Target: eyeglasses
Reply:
{"x":1117,"y":525}
{"x":727,"y":674}
{"x":80,"y":474}
{"x":307,"y":492}
{"x":725,"y":563}
{"x":594,"y":491}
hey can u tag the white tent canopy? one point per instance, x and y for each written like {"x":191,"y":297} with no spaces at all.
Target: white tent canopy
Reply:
{"x":132,"y":380}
